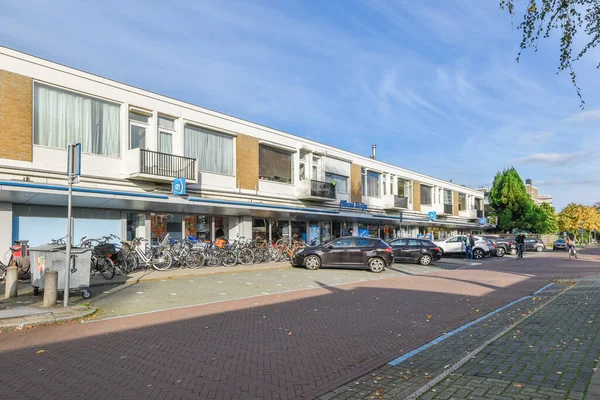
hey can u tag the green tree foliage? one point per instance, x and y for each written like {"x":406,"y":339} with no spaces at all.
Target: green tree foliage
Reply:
{"x":564,"y":19}
{"x":515,"y":209}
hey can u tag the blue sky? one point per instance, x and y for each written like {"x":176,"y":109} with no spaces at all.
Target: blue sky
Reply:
{"x":434,"y":84}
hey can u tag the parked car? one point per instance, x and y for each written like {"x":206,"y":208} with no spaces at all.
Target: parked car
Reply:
{"x":347,"y":252}
{"x":415,"y":250}
{"x":454,"y":245}
{"x":560,"y":244}
{"x":534,"y":245}
{"x":505,"y":243}
{"x":495,"y":250}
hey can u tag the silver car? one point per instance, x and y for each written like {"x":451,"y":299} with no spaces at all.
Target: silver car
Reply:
{"x":456,"y":245}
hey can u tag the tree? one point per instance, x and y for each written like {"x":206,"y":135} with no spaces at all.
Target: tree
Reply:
{"x":509,"y":198}
{"x":576,"y":216}
{"x":568,"y":17}
{"x":550,"y":220}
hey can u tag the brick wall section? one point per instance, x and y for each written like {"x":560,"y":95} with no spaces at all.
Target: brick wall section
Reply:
{"x":16,"y":116}
{"x":355,"y":183}
{"x":246,"y":161}
{"x":455,"y":194}
{"x":416,"y":196}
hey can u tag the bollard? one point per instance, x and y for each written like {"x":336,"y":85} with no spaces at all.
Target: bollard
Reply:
{"x":12,"y":273}
{"x":50,"y":288}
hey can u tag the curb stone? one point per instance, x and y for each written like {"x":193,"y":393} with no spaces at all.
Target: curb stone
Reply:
{"x":74,"y":313}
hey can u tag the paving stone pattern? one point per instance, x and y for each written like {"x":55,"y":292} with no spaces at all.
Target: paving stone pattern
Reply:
{"x":406,"y":378}
{"x":551,"y":355}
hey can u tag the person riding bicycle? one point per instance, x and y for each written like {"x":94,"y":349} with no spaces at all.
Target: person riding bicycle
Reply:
{"x":571,"y":243}
{"x":520,"y":242}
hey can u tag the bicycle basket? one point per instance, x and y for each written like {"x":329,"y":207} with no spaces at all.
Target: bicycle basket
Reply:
{"x":105,"y":249}
{"x":220,"y":243}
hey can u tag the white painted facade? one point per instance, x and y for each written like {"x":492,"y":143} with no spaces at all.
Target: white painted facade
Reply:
{"x":122,"y":173}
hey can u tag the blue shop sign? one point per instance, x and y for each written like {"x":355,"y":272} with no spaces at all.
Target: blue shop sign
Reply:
{"x":353,"y":205}
{"x":482,"y":221}
{"x":179,"y":186}
{"x":432,"y":215}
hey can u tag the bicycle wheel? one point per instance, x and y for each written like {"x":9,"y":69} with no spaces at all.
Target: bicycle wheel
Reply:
{"x":258,"y":256}
{"x":106,"y":268}
{"x":272,"y":255}
{"x":195,"y":259}
{"x":245,"y":256}
{"x":213,"y":258}
{"x":131,"y":263}
{"x":162,"y":261}
{"x":228,"y":258}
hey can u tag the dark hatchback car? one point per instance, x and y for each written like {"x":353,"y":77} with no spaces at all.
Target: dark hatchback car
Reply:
{"x":347,"y":252}
{"x":560,"y":244}
{"x":415,"y":250}
{"x":534,"y":245}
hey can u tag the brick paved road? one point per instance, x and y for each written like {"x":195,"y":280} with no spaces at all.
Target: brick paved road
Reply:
{"x":290,"y":345}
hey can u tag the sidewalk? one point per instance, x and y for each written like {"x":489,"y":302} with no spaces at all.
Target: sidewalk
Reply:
{"x":544,"y":346}
{"x":18,"y":316}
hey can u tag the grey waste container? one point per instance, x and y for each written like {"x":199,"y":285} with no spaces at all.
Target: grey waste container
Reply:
{"x":53,"y":257}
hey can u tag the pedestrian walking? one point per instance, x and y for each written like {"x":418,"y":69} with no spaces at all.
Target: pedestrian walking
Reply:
{"x":520,"y":242}
{"x":469,"y":243}
{"x":350,"y":232}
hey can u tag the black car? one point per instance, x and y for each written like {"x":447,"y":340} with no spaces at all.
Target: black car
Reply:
{"x":351,"y":251}
{"x":415,"y":250}
{"x":560,"y":244}
{"x":506,"y":244}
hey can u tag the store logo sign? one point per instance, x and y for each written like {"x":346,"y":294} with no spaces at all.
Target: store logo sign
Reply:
{"x":432,"y":215}
{"x":179,"y":186}
{"x":353,"y":205}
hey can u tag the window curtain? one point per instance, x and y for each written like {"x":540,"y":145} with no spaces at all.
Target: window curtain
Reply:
{"x":426,"y":195}
{"x":166,"y":123}
{"x":372,"y":184}
{"x":165,"y":141}
{"x":213,"y":151}
{"x":63,"y":117}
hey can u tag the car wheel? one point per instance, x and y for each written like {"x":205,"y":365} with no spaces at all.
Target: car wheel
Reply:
{"x":425,"y":259}
{"x":312,"y":262}
{"x":500,"y":252}
{"x":478,"y":254}
{"x":376,"y":265}
{"x":539,"y":249}
{"x":441,"y":252}
{"x":487,"y":254}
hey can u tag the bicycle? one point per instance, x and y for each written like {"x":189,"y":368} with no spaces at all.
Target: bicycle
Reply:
{"x":159,"y":258}
{"x":520,"y":250}
{"x":572,"y":252}
{"x":100,"y":259}
{"x":11,"y":261}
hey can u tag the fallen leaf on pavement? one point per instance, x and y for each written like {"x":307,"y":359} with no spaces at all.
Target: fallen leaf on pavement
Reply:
{"x":429,"y":316}
{"x":40,"y":351}
{"x":558,"y":372}
{"x":289,"y":333}
{"x":518,"y":385}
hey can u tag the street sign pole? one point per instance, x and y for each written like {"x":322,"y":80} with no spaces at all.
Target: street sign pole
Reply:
{"x":73,"y":170}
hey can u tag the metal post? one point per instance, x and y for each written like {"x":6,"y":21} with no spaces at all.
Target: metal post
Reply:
{"x":69,"y":241}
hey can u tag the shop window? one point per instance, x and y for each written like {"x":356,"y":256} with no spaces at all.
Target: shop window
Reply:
{"x":136,"y":225}
{"x":299,"y":229}
{"x":426,"y":195}
{"x":280,"y":230}
{"x":161,"y":224}
{"x":260,"y":229}
{"x":198,"y":226}
{"x":275,"y":164}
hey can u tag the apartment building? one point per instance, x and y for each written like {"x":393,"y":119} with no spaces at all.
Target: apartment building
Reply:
{"x":243,"y":178}
{"x":533,"y":192}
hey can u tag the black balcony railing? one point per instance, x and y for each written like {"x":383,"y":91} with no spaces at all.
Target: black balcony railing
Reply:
{"x":448,"y":209}
{"x":479,"y":213}
{"x":322,"y":189}
{"x":167,"y":165}
{"x":400,"y":202}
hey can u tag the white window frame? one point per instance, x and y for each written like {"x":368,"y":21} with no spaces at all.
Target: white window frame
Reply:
{"x":168,"y":131}
{"x":139,"y":124}
{"x":336,"y":186}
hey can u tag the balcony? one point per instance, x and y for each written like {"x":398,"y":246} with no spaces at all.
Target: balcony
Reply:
{"x":394,"y":202}
{"x":154,"y":166}
{"x":448,"y":209}
{"x":316,"y":190}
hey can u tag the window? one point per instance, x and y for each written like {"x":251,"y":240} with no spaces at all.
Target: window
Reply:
{"x":447,"y":197}
{"x":344,"y":242}
{"x":384,"y":184}
{"x":372,"y":184}
{"x":166,"y":129}
{"x":340,"y":182}
{"x":275,"y":164}
{"x":456,"y":239}
{"x":401,"y":242}
{"x":62,"y":117}
{"x":214,"y":151}
{"x":302,"y":169}
{"x":316,"y":168}
{"x":362,"y":242}
{"x":138,"y":123}
{"x":426,"y":195}
{"x":462,"y":202}
{"x":404,"y":189}
{"x":414,"y":243}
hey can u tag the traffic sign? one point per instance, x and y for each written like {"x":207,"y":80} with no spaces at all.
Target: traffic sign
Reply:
{"x":74,"y":160}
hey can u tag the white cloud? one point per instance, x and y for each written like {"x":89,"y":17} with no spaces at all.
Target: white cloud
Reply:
{"x":551,"y":159}
{"x":584,"y":116}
